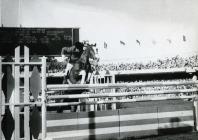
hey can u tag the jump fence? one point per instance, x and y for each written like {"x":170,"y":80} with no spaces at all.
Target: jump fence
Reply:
{"x":136,"y":121}
{"x":25,"y":97}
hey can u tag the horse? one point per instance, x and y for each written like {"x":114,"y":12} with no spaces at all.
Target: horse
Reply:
{"x":80,"y":71}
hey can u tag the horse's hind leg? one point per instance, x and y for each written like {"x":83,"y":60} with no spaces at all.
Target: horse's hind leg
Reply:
{"x":78,"y":108}
{"x":74,"y":108}
{"x":59,"y":108}
{"x":82,"y":107}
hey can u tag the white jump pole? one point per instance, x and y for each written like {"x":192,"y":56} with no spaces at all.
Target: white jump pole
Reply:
{"x":58,"y":87}
{"x":43,"y":98}
{"x":17,"y":93}
{"x":121,"y":101}
{"x":120,"y":94}
{"x":26,"y":95}
{"x":0,"y":97}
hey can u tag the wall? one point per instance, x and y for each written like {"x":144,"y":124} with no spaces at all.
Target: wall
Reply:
{"x":113,"y":124}
{"x":157,"y":24}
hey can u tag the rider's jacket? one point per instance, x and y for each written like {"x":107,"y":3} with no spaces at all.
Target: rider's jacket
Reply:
{"x":72,"y":52}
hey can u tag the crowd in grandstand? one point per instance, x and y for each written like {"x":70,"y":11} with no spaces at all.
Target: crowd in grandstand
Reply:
{"x":174,"y":62}
{"x":54,"y":66}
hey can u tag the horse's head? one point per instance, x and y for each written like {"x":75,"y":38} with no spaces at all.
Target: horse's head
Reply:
{"x":89,"y":56}
{"x":91,"y":52}
{"x":88,"y":53}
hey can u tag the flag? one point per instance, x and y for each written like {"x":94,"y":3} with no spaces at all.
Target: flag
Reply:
{"x":169,"y":41}
{"x":105,"y":45}
{"x":184,"y":38}
{"x":122,"y":43}
{"x":138,"y":42}
{"x":153,"y":42}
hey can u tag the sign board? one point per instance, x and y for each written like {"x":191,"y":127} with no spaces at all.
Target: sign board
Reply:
{"x":41,"y":41}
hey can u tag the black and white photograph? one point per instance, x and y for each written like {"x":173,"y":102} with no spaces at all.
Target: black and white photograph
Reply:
{"x":98,"y":69}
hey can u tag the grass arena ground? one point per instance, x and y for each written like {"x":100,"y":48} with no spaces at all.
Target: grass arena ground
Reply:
{"x":155,"y":103}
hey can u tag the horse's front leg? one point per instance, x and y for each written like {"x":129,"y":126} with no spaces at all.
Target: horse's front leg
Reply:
{"x":89,"y":75}
{"x":61,"y":108}
{"x":90,"y":91}
{"x":82,"y":81}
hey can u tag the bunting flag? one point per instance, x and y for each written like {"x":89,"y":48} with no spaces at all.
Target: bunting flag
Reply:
{"x":138,"y":42}
{"x":105,"y":45}
{"x":153,"y":42}
{"x":85,"y":41}
{"x":169,"y":41}
{"x":184,"y":38}
{"x":122,"y":43}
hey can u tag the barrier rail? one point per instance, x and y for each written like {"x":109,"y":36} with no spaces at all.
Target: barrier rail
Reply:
{"x":120,"y":101}
{"x":55,"y":87}
{"x":117,"y":94}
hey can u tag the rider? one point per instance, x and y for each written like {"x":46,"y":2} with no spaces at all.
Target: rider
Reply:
{"x":74,"y":52}
{"x":70,"y":55}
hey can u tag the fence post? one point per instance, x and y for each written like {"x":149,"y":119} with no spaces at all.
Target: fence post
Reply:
{"x":26,"y":95}
{"x":43,"y":98}
{"x":0,"y":97}
{"x":196,"y":112}
{"x":96,"y":91}
{"x":196,"y":105}
{"x":91,"y":107}
{"x":113,"y":106}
